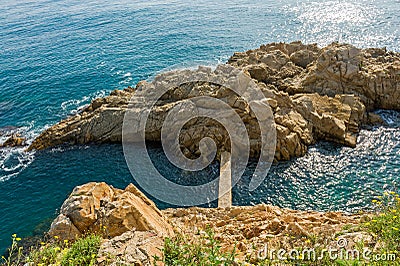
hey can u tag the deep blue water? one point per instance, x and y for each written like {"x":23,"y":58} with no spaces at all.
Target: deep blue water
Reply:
{"x":56,"y":56}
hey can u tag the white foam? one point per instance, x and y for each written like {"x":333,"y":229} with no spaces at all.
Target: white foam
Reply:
{"x":75,"y":105}
{"x":7,"y":177}
{"x":390,"y":117}
{"x":13,"y":161}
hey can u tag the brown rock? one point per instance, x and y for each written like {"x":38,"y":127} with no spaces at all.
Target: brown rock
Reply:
{"x":315,"y":94}
{"x":303,"y":57}
{"x":95,"y":206}
{"x":14,"y":141}
{"x":63,"y":227}
{"x":130,"y":248}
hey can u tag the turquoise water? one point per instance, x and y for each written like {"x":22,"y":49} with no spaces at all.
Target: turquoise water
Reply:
{"x":56,"y":56}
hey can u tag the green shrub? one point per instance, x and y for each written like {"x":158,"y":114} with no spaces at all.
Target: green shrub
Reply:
{"x":205,"y":251}
{"x":82,"y":252}
{"x":45,"y":255}
{"x":14,"y":252}
{"x":385,"y":225}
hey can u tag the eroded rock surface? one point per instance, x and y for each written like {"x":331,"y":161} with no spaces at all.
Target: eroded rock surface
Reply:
{"x":372,"y":74}
{"x":98,"y":207}
{"x":14,"y":141}
{"x":314,"y":93}
{"x":250,"y":228}
{"x":131,"y":248}
{"x":135,"y":229}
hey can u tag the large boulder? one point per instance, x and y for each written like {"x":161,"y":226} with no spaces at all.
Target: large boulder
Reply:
{"x":98,"y":207}
{"x":372,"y":74}
{"x":315,"y":94}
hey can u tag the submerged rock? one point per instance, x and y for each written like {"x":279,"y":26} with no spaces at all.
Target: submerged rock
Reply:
{"x":314,"y":93}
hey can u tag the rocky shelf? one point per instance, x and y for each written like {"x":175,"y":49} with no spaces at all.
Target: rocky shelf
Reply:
{"x":135,"y":229}
{"x":315,"y":93}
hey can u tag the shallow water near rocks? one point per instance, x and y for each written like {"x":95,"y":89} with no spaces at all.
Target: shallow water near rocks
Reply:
{"x":56,"y":57}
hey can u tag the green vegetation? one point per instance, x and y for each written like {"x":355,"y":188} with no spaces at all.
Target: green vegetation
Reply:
{"x":204,"y":251}
{"x":385,"y":225}
{"x":15,"y":252}
{"x":56,"y":252}
{"x":82,"y":252}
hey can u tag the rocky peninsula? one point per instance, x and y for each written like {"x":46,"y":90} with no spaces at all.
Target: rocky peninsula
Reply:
{"x":315,"y":93}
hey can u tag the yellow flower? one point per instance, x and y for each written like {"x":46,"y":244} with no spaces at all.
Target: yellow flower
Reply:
{"x":392,"y":193}
{"x":374,"y":201}
{"x":56,"y":237}
{"x":308,"y":241}
{"x":42,"y":243}
{"x":66,"y":241}
{"x":18,"y":239}
{"x":394,"y":217}
{"x":374,"y":221}
{"x":395,"y":228}
{"x":386,"y":194}
{"x":379,"y":197}
{"x":394,"y":211}
{"x":367,"y":223}
{"x":14,"y":235}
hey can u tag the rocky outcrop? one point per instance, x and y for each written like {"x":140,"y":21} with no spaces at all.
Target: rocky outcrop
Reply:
{"x":134,"y":229}
{"x":315,"y":94}
{"x":130,"y":248}
{"x":101,"y":121}
{"x":250,"y":228}
{"x":302,"y":119}
{"x":14,"y":141}
{"x":371,"y":74}
{"x":98,"y":207}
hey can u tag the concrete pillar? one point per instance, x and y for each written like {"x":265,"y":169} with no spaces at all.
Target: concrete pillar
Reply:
{"x":225,"y":181}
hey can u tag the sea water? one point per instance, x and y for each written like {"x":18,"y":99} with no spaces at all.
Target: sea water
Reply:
{"x":56,"y":56}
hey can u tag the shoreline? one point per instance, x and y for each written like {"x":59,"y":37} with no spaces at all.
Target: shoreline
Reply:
{"x":314,"y":97}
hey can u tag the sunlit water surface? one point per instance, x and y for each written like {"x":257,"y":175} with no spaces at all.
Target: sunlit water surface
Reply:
{"x":56,"y":56}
